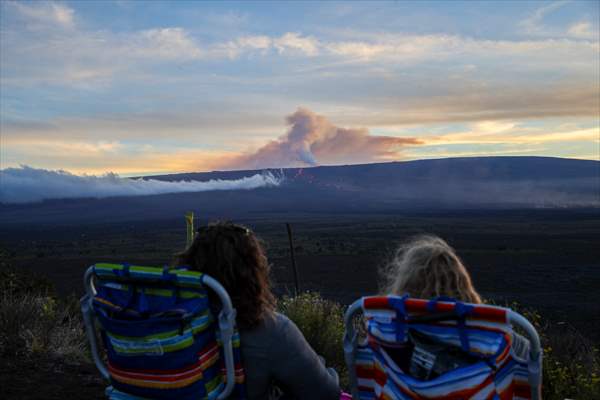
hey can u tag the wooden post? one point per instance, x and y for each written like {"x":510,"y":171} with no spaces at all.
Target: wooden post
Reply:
{"x":293,"y":256}
{"x":189,"y":222}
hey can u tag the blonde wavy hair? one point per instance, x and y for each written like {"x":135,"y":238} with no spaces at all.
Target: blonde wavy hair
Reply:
{"x":426,"y":267}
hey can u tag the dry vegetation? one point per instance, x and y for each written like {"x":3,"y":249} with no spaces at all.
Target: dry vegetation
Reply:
{"x":36,"y":327}
{"x":34,"y":321}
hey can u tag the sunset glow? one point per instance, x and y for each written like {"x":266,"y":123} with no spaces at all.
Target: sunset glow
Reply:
{"x":144,"y":88}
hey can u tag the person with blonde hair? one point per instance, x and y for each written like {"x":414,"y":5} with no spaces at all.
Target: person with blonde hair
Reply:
{"x":427,"y":267}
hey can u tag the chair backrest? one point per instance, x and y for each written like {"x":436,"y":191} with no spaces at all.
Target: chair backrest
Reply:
{"x":480,"y":336}
{"x":160,"y":334}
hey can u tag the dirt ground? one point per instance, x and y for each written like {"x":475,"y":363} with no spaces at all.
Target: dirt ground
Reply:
{"x":48,"y":379}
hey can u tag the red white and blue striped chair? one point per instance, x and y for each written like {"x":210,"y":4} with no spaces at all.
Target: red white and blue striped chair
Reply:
{"x":502,"y":364}
{"x":160,"y":335}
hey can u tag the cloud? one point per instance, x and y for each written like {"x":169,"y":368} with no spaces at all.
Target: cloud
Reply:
{"x":288,"y":44}
{"x":166,"y":44}
{"x":78,"y":82}
{"x":292,"y":41}
{"x":533,"y":24}
{"x":259,"y":42}
{"x":442,"y":152}
{"x":583,"y":30}
{"x":415,"y":49}
{"x":359,"y":50}
{"x":96,"y":157}
{"x":187,"y":141}
{"x":62,"y":148}
{"x":46,"y":13}
{"x":244,"y":124}
{"x":469,"y":102}
{"x":407,"y":49}
{"x":81,"y":57}
{"x":497,"y":133}
{"x":27,"y":185}
{"x":493,"y":127}
{"x":312,"y":140}
{"x":49,"y":48}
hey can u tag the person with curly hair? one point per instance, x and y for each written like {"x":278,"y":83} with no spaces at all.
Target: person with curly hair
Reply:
{"x":275,"y":354}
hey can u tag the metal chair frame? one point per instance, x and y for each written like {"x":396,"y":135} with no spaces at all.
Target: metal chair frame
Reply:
{"x":226,"y":326}
{"x":534,"y":364}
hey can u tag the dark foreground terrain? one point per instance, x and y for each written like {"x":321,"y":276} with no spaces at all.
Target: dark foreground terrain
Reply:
{"x":545,"y":259}
{"x":531,"y":236}
{"x":49,"y":379}
{"x":548,"y":260}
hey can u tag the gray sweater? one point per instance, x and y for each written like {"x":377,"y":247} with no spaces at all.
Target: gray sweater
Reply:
{"x":276,"y":352}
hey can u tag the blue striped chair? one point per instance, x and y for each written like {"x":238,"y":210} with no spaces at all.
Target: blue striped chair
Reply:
{"x":501,"y":364}
{"x":160,"y":337}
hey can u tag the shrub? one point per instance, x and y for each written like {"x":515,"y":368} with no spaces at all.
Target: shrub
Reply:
{"x":68,"y":340}
{"x":574,"y":378}
{"x":32,"y":325}
{"x":322,"y":324}
{"x":571,"y":367}
{"x":25,"y":323}
{"x":571,"y":363}
{"x":32,"y":321}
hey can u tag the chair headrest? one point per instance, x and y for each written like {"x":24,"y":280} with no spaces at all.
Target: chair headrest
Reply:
{"x":412,"y":306}
{"x":179,"y":276}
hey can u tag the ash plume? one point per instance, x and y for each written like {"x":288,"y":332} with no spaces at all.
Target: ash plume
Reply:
{"x":29,"y":185}
{"x":312,"y":140}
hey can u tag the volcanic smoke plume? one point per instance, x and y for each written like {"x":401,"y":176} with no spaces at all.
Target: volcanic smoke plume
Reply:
{"x":312,"y":140}
{"x":28,"y":185}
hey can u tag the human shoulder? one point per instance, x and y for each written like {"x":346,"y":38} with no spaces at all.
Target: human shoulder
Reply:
{"x":272,"y":323}
{"x":283,"y":323}
{"x":280,"y":319}
{"x":279,"y":330}
{"x":277,"y":323}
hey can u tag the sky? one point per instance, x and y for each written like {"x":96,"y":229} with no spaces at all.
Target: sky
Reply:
{"x":140,"y":88}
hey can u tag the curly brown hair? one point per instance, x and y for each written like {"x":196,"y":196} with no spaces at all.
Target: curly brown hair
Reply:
{"x":427,"y":267}
{"x":234,"y":256}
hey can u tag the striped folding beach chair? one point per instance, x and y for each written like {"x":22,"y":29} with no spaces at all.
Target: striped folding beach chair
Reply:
{"x":160,"y":337}
{"x":393,"y":359}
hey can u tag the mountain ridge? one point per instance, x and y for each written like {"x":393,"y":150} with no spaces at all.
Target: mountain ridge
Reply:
{"x":476,"y":183}
{"x":437,"y":162}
